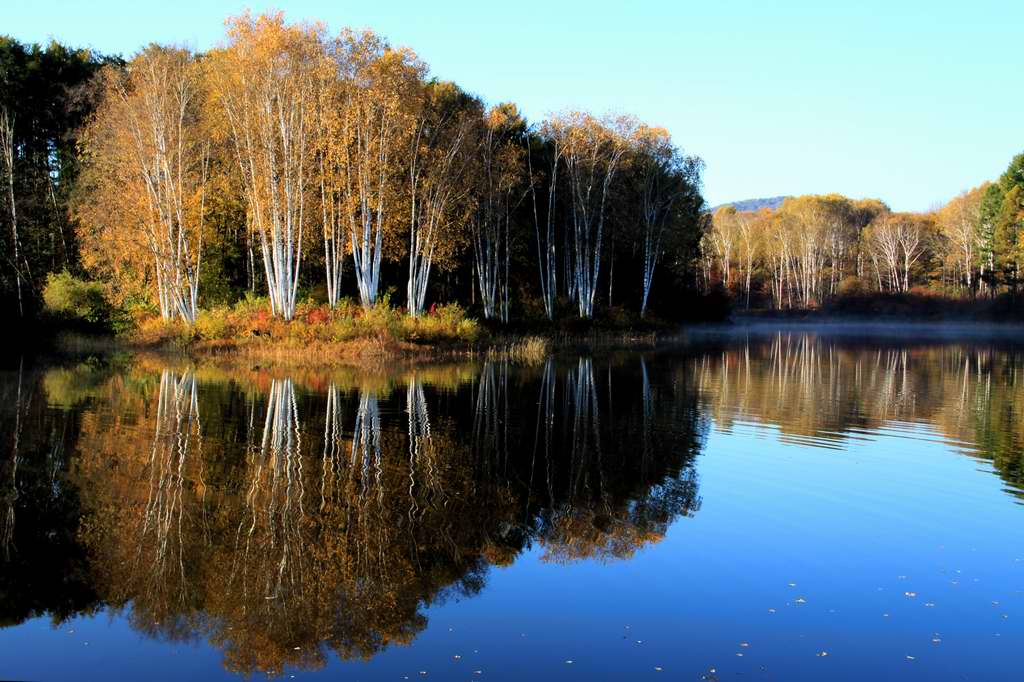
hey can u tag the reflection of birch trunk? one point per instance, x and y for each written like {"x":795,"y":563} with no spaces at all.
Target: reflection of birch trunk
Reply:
{"x":282,"y":450}
{"x":490,"y":419}
{"x":647,"y":407}
{"x":420,"y":445}
{"x":582,"y":396}
{"x":366,"y":440}
{"x":10,"y":477}
{"x":276,"y":492}
{"x":366,"y":464}
{"x":332,"y":442}
{"x":545,"y":425}
{"x":178,"y":431}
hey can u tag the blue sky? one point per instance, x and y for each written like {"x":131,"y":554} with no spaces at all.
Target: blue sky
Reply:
{"x":908,"y":101}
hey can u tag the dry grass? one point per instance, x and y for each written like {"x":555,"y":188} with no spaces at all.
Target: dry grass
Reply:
{"x":529,"y":350}
{"x":245,"y":335}
{"x":317,"y":335}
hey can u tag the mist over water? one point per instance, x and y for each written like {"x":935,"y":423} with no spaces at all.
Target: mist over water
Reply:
{"x":790,"y":505}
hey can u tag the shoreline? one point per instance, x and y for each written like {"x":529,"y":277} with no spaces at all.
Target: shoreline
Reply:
{"x":523,"y":348}
{"x":368,"y":353}
{"x":845,"y":325}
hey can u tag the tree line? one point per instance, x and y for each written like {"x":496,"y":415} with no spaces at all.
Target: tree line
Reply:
{"x":289,"y":162}
{"x":815,"y":248}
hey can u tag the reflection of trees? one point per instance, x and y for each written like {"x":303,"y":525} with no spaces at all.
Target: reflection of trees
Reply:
{"x":9,"y":475}
{"x":813,"y":387}
{"x":605,"y":501}
{"x":304,"y":516}
{"x":42,"y":563}
{"x":281,"y":524}
{"x":177,"y":433}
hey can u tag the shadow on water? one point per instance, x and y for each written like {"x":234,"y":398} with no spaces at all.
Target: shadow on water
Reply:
{"x":282,"y":518}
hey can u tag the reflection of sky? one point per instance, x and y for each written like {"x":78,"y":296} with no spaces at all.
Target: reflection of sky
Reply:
{"x":890,"y":512}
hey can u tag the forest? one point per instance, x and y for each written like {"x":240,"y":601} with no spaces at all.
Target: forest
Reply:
{"x":306,"y":169}
{"x":294,"y":175}
{"x":817,"y":251}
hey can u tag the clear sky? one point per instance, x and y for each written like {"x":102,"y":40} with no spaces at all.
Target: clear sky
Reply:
{"x":908,"y":101}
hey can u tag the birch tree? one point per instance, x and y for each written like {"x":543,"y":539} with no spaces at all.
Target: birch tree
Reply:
{"x":667,"y":177}
{"x":723,"y":239}
{"x":265,"y":82}
{"x":147,"y":164}
{"x":332,"y":173}
{"x":499,"y":190}
{"x":7,"y":160}
{"x":377,"y":110}
{"x":897,"y":242}
{"x":439,"y":186}
{"x":593,"y":150}
{"x":959,"y":221}
{"x":749,"y":240}
{"x":776,"y":254}
{"x":547,"y":261}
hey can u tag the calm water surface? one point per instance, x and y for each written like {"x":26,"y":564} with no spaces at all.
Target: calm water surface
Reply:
{"x":784,"y":506}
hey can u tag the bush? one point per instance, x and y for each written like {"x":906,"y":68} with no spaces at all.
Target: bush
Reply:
{"x":76,"y":299}
{"x":850,"y":286}
{"x":214,"y":324}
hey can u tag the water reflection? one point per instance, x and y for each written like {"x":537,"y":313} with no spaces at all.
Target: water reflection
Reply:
{"x":282,"y":520}
{"x":820,"y":392}
{"x":288,"y":518}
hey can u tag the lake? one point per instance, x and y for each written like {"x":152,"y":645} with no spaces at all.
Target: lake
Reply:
{"x":781,"y":505}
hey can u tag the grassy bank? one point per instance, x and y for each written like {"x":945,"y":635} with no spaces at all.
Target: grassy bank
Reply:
{"x":247,"y":334}
{"x":318,"y":334}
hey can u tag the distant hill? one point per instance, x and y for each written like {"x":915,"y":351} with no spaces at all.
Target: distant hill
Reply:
{"x":753,"y":204}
